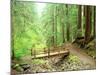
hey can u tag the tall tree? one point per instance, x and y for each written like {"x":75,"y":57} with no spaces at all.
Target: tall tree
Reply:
{"x":67,"y":24}
{"x":84,"y":10}
{"x":53,"y":27}
{"x":88,"y":24}
{"x":12,"y":29}
{"x":94,"y":21}
{"x":79,"y":20}
{"x":62,"y":23}
{"x":56,"y":24}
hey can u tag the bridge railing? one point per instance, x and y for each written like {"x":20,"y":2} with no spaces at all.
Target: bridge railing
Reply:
{"x":47,"y":51}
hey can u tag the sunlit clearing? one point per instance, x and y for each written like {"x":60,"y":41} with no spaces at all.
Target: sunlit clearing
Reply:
{"x":40,"y":7}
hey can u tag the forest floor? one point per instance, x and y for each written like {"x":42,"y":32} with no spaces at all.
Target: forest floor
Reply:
{"x":78,"y":59}
{"x":83,"y":56}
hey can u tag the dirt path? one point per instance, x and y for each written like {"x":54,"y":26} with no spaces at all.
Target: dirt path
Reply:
{"x":85,"y":58}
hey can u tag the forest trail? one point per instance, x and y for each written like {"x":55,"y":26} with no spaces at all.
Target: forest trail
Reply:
{"x":85,"y":58}
{"x":59,"y":62}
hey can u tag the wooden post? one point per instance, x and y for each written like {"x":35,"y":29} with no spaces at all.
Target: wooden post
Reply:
{"x":34,"y":53}
{"x":44,"y":50}
{"x":48,"y":52}
{"x":31,"y":52}
{"x":60,"y":47}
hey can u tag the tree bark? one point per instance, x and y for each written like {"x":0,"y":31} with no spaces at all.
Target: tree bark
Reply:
{"x":67,"y":25}
{"x":63,"y":33}
{"x":94,"y":32}
{"x":79,"y":34}
{"x":55,"y":26}
{"x":88,"y":24}
{"x":13,"y":52}
{"x":53,"y":29}
{"x":79,"y":16}
{"x":84,"y":9}
{"x":68,"y":32}
{"x":12,"y":34}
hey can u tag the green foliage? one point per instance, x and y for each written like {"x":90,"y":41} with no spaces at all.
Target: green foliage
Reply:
{"x":29,"y":28}
{"x":21,"y":52}
{"x":25,"y":28}
{"x":39,"y":61}
{"x":73,"y":58}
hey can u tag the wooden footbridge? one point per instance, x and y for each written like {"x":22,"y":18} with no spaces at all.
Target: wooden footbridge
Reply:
{"x":50,"y":52}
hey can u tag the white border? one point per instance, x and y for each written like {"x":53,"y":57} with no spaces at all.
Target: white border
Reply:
{"x":5,"y":36}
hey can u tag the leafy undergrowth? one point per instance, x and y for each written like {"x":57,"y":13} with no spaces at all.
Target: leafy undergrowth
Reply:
{"x":39,"y":61}
{"x":41,"y":65}
{"x":91,"y":49}
{"x":70,"y":63}
{"x":91,"y":53}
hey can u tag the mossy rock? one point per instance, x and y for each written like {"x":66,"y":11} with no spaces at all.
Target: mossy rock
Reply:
{"x":17,"y":67}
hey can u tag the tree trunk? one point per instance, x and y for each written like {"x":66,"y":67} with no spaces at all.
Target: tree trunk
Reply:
{"x":55,"y":25}
{"x":63,"y":33}
{"x":94,"y":31}
{"x":13,"y":52}
{"x":68,"y":32}
{"x":12,"y":35}
{"x":62,"y":23}
{"x":67,"y":25}
{"x":79,"y":34}
{"x":88,"y":24}
{"x":84,"y":9}
{"x":53,"y":28}
{"x":79,"y":16}
{"x":91,"y":24}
